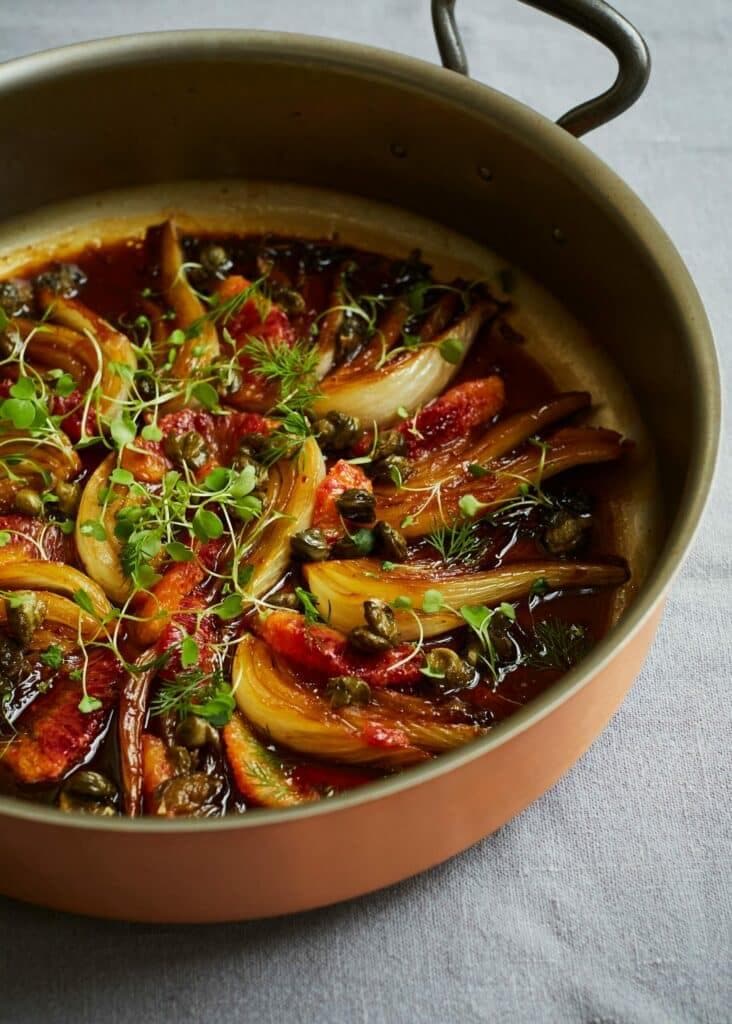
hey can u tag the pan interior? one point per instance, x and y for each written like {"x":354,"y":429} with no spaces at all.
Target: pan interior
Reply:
{"x":553,"y":334}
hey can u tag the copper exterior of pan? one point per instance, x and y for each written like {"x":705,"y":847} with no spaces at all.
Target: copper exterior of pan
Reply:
{"x":148,"y":109}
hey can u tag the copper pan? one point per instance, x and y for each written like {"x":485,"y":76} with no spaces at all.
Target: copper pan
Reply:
{"x":137,"y":112}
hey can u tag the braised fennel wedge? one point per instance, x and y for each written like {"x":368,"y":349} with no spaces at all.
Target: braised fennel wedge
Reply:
{"x":278,"y":517}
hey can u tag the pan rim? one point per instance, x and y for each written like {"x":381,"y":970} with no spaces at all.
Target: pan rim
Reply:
{"x":576,"y":162}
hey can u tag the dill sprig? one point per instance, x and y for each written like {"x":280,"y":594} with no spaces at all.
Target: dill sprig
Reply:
{"x":196,"y":692}
{"x":558,"y":645}
{"x":457,"y":543}
{"x":292,"y":367}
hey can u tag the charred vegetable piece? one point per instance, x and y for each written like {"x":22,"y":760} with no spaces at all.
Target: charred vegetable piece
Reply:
{"x":257,"y":771}
{"x":54,"y":734}
{"x":321,"y":649}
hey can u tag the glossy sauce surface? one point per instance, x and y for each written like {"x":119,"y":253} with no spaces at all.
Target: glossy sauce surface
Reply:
{"x":121,"y":284}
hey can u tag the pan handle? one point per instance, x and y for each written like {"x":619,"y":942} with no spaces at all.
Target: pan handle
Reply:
{"x":597,"y":19}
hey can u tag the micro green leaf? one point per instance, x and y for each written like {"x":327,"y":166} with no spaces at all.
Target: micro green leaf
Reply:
{"x":207,"y":525}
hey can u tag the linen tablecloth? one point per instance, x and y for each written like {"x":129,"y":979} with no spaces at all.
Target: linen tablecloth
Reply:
{"x":608,"y":901}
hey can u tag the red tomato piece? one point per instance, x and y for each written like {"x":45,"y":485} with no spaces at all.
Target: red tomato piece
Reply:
{"x":453,"y":415}
{"x":325,"y":652}
{"x":343,"y":476}
{"x":26,"y":534}
{"x":54,"y":736}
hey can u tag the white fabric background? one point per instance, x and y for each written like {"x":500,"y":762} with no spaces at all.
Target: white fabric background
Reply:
{"x":609,"y":900}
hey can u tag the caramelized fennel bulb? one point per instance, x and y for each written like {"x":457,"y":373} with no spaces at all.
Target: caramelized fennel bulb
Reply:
{"x":291,"y":713}
{"x":344,"y":586}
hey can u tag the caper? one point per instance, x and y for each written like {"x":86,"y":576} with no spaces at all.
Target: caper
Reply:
{"x":390,"y":442}
{"x":473,"y":653}
{"x":351,"y":333}
{"x":253,"y":443}
{"x":566,"y":533}
{"x":243,"y":460}
{"x":380,"y":619}
{"x":392,"y":469}
{"x":345,"y":690}
{"x":447,"y":664}
{"x":346,"y":547}
{"x":28,"y":501}
{"x":215,"y":260}
{"x":390,"y":543}
{"x":180,"y":758}
{"x":187,"y":449}
{"x":11,"y":660}
{"x":337,"y":431}
{"x":25,"y":613}
{"x":266,"y":259}
{"x":357,"y":505}
{"x":370,"y":643}
{"x":186,"y":794}
{"x":69,"y":496}
{"x":309,"y":545}
{"x":71,"y":803}
{"x":145,"y":386}
{"x":291,"y":301}
{"x":7,"y":346}
{"x":285,"y":599}
{"x":91,"y":784}
{"x":499,"y":630}
{"x":16,"y":297}
{"x":64,"y":279}
{"x":195,"y":732}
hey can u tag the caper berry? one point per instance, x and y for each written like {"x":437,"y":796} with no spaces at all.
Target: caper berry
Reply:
{"x":357,"y":505}
{"x":25,"y":613}
{"x":392,"y":469}
{"x":446,"y":663}
{"x":28,"y":502}
{"x":285,"y":599}
{"x":370,"y":643}
{"x":64,"y":279}
{"x":215,"y":260}
{"x":566,"y":533}
{"x":345,"y":690}
{"x":187,"y":449}
{"x":390,"y":442}
{"x":16,"y":297}
{"x":390,"y":543}
{"x":91,"y":784}
{"x":380,"y":619}
{"x":337,"y":431}
{"x":309,"y":546}
{"x":69,"y":496}
{"x":195,"y":732}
